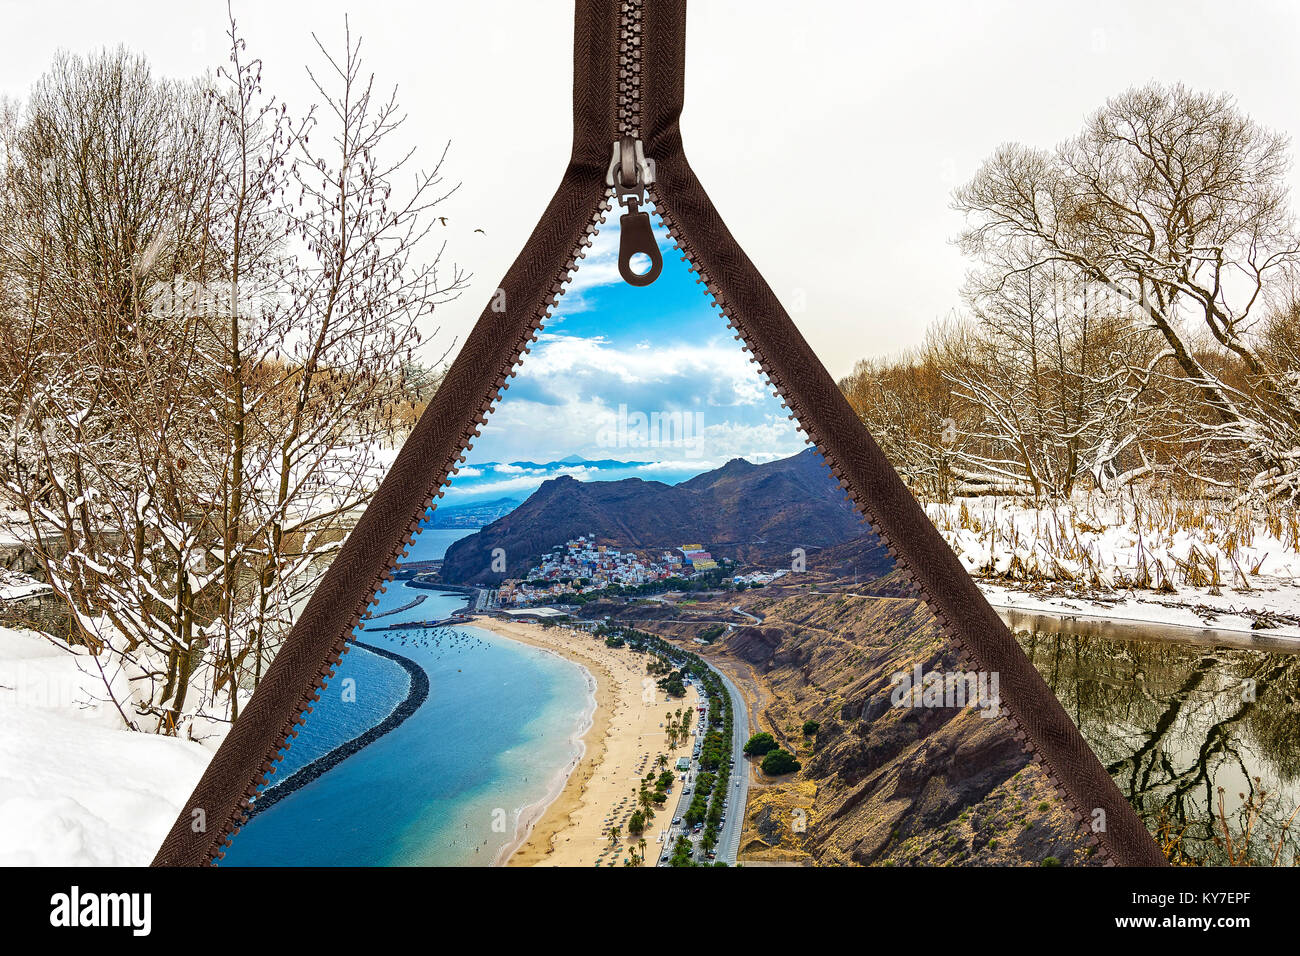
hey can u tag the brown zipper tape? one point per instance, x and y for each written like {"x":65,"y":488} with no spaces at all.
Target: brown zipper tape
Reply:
{"x":604,"y":86}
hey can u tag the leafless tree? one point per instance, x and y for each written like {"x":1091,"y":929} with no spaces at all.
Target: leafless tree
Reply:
{"x":909,"y":406}
{"x":211,"y":312}
{"x":1060,"y":381}
{"x":1176,"y":201}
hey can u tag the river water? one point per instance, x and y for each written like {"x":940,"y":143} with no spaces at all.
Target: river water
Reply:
{"x":1181,"y":719}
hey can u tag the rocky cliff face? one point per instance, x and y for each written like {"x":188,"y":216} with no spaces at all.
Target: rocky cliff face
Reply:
{"x":883,"y":784}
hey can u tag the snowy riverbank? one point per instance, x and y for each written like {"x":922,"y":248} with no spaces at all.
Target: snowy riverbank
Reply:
{"x":1249,"y":614}
{"x":1185,"y":564}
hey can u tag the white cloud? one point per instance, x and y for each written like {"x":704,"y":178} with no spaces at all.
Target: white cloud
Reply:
{"x":562,"y":364}
{"x":571,"y":391}
{"x":507,"y":487}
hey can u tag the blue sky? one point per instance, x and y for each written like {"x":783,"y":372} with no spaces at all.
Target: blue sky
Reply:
{"x":650,"y":376}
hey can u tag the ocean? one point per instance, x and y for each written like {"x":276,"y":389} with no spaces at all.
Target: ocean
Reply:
{"x":432,"y":543}
{"x":495,"y":736}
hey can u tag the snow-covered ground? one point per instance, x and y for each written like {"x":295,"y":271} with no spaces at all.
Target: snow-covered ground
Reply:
{"x":15,"y":585}
{"x":1251,"y":613}
{"x":76,"y":787}
{"x":1162,"y":562}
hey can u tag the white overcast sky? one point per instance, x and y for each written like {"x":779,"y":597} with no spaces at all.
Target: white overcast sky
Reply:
{"x":829,"y":135}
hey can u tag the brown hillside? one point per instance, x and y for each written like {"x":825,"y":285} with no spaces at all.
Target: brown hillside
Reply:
{"x":887,"y":784}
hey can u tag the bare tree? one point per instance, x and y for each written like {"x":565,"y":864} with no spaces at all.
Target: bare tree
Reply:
{"x":1060,"y":383}
{"x":211,"y":315}
{"x":909,"y":406}
{"x":1175,"y":201}
{"x":102,"y":166}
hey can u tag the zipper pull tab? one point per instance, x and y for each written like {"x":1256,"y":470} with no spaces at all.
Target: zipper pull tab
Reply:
{"x":629,"y":174}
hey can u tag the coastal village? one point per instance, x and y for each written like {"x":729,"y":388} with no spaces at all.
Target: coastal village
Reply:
{"x":582,"y":566}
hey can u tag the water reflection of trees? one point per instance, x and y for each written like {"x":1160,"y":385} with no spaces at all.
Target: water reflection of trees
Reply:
{"x":1172,"y":723}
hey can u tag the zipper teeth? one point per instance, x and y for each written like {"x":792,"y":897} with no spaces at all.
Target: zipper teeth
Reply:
{"x":629,"y":69}
{"x":380,"y":584}
{"x":918,"y":589}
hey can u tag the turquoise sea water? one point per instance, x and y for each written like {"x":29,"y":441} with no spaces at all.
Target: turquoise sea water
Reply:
{"x":495,"y":736}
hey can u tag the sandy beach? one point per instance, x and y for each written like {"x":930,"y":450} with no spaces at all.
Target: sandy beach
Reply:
{"x":626,"y":737}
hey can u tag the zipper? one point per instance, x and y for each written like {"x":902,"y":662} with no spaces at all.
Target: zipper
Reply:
{"x":630,"y":173}
{"x":629,"y":177}
{"x":629,"y":69}
{"x":487,"y":406}
{"x":918,"y":590}
{"x":630,"y":182}
{"x":380,"y":586}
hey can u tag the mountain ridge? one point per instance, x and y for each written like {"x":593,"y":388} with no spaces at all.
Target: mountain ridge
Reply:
{"x":741,"y":510}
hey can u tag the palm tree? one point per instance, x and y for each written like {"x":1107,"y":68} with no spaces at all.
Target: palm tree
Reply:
{"x":614,"y":833}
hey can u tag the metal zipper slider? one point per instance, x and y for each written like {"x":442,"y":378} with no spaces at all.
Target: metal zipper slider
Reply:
{"x":629,"y":174}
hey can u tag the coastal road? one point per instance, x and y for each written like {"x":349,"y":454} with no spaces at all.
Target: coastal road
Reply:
{"x":729,"y":838}
{"x":679,"y":808}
